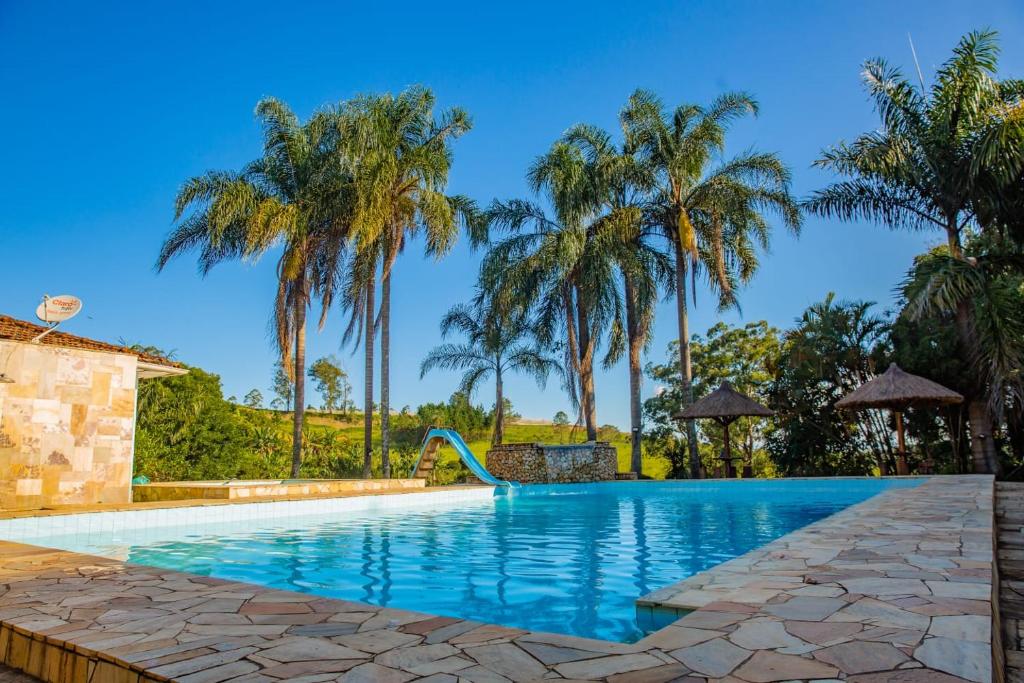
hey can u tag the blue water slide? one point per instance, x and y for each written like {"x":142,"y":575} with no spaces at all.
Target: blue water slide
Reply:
{"x":428,"y":455}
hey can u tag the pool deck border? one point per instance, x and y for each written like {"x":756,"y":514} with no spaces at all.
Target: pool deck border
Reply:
{"x":61,"y":510}
{"x":897,"y":588}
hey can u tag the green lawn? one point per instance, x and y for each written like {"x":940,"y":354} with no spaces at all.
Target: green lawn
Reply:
{"x":352,"y":431}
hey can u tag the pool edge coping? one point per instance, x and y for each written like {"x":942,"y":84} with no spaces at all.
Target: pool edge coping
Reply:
{"x":692,"y":585}
{"x":659,"y":645}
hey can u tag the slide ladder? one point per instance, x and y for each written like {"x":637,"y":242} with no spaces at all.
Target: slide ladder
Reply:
{"x":432,"y":443}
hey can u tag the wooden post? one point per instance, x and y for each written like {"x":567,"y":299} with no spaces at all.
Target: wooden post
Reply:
{"x":729,"y":472}
{"x":902,"y":467}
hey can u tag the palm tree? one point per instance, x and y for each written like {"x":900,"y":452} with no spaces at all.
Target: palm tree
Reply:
{"x":565,"y":265}
{"x":359,"y":273}
{"x":620,"y":183}
{"x":494,"y":346}
{"x":523,"y":267}
{"x":400,"y":155}
{"x":991,"y":278}
{"x":941,"y":153}
{"x":713,"y":216}
{"x":290,"y":196}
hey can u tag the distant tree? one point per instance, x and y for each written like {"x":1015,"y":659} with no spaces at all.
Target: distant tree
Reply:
{"x":561,"y":423}
{"x":836,"y":347}
{"x":433,"y":414}
{"x":458,"y":413}
{"x":186,"y":430}
{"x":147,"y":348}
{"x":495,"y":345}
{"x":508,"y":411}
{"x":331,"y":382}
{"x":347,"y":405}
{"x":745,"y":356}
{"x":254,"y":399}
{"x":284,"y":388}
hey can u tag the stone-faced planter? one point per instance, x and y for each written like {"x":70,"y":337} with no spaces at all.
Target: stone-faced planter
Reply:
{"x":537,"y":463}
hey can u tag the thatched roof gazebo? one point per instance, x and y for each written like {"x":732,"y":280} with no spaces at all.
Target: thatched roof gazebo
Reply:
{"x":898,"y":390}
{"x":725,"y":405}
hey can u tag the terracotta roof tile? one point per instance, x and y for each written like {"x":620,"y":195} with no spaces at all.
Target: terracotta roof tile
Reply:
{"x":20,"y":330}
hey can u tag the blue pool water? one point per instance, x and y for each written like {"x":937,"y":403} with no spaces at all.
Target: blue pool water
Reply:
{"x":565,"y":559}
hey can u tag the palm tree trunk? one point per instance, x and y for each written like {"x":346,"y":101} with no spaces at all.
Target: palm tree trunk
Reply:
{"x":587,"y":343}
{"x":685,"y":368}
{"x":368,"y":341}
{"x":385,"y":374}
{"x":299,"y":410}
{"x":499,"y":408}
{"x":574,"y":349}
{"x":979,"y":417}
{"x":635,"y":377}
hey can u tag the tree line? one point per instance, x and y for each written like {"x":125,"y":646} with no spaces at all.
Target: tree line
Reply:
{"x":571,"y":275}
{"x":187,"y":429}
{"x":833,"y":347}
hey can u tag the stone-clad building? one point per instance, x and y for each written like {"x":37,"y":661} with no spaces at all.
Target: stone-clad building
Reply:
{"x":67,"y":416}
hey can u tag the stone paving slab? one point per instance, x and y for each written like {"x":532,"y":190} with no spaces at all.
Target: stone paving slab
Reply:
{"x":892,"y":589}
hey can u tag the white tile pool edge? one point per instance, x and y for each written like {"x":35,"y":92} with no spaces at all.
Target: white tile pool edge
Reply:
{"x":37,"y":528}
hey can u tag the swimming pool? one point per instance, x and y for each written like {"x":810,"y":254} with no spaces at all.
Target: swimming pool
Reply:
{"x":567,"y":559}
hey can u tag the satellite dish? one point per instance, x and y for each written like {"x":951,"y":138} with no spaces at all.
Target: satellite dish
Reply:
{"x":56,"y":309}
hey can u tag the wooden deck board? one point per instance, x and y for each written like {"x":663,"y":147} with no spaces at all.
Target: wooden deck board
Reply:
{"x":1010,"y":543}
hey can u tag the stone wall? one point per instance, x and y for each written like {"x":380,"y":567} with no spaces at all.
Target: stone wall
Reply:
{"x":67,"y":426}
{"x":553,"y":464}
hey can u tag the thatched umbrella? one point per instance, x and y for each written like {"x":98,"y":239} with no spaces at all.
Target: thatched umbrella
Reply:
{"x":898,"y":390}
{"x":724,"y":405}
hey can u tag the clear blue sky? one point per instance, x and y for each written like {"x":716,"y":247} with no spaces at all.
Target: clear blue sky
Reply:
{"x":108,"y":107}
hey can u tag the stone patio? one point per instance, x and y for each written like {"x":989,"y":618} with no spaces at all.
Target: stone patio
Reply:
{"x":898,"y":588}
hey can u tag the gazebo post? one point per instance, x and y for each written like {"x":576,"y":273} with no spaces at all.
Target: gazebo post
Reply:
{"x":902,"y":468}
{"x":730,"y":472}
{"x":728,"y":453}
